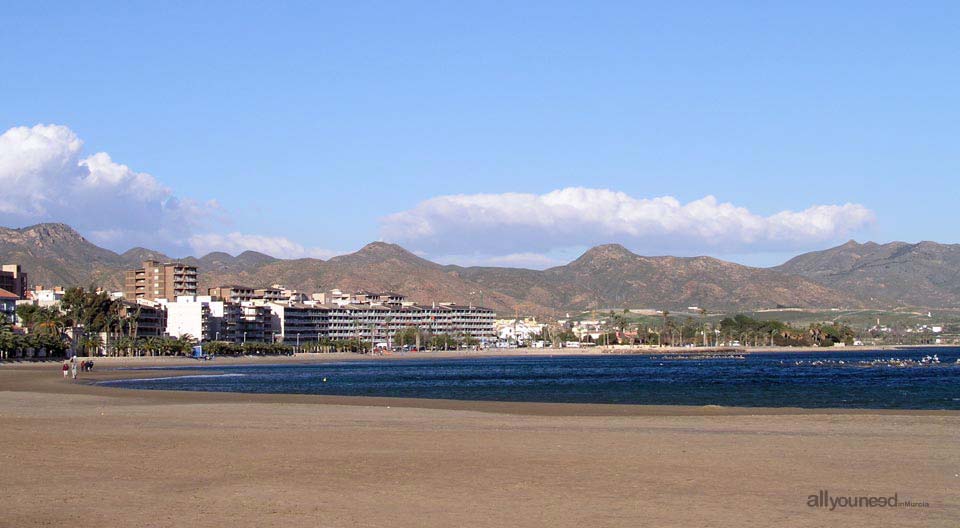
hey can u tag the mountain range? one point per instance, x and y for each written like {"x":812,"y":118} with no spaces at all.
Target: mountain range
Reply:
{"x":610,"y":276}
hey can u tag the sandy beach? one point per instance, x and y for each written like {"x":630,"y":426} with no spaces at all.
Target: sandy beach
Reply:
{"x":78,"y":454}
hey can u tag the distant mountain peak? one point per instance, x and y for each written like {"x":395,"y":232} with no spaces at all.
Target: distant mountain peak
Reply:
{"x":253,"y":254}
{"x":51,"y":230}
{"x":384,"y":249}
{"x":380,"y":245}
{"x":139,"y":254}
{"x":607,"y":252}
{"x":376,"y":252}
{"x":218,"y":255}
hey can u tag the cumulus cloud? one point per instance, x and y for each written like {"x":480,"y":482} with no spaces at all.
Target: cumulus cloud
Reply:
{"x":236,"y":243}
{"x":511,"y":223}
{"x":46,"y":177}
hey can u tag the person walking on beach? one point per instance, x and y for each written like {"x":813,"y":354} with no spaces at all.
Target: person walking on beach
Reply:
{"x":66,"y":369}
{"x":74,"y":369}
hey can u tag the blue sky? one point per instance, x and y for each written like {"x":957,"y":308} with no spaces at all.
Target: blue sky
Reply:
{"x":313,"y":128}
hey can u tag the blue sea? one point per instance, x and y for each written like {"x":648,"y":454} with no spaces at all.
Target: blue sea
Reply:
{"x":849,"y":379}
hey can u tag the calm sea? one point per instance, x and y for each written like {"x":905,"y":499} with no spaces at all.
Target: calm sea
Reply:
{"x":760,"y":380}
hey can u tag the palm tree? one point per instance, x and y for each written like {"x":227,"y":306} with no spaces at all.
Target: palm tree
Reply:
{"x":91,"y":343}
{"x":7,"y":337}
{"x":703,"y":326}
{"x":153,"y":345}
{"x":665,"y":314}
{"x":620,"y":322}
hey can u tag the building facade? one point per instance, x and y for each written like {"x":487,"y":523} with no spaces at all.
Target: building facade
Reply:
{"x":156,"y":280}
{"x":194,"y":316}
{"x":14,"y":280}
{"x":8,"y":305}
{"x":518,"y":331}
{"x":371,"y":318}
{"x":149,"y":318}
{"x":376,"y":318}
{"x":245,"y":321}
{"x":232,"y":293}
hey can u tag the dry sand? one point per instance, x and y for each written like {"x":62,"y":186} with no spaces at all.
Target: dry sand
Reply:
{"x":80,"y":455}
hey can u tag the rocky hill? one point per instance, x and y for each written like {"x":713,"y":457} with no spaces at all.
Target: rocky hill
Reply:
{"x":610,"y":276}
{"x":55,"y":254}
{"x":925,"y":274}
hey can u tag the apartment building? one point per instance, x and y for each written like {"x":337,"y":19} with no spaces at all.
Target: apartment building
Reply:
{"x":231,"y":314}
{"x":278,"y":293}
{"x":245,"y":322}
{"x":206,"y":318}
{"x":149,"y":317}
{"x":13,"y":280}
{"x":8,"y":304}
{"x":44,"y":297}
{"x":156,"y":280}
{"x":376,"y":317}
{"x":233,"y":293}
{"x":196,"y":316}
{"x":295,"y":323}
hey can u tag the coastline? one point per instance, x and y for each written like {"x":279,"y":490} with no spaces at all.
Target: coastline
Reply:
{"x":313,"y":357}
{"x":44,"y":377}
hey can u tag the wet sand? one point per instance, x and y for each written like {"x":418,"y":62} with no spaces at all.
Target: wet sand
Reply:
{"x":77,"y":455}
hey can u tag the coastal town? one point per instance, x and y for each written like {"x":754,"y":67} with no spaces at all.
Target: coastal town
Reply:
{"x":161,"y":301}
{"x":161,"y":311}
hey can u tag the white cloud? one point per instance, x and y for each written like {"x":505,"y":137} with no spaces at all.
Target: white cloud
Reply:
{"x":236,"y":243}
{"x":511,"y":223}
{"x":45,"y":177}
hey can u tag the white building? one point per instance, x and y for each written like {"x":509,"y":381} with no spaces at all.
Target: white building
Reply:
{"x":520,"y":331}
{"x":194,"y":315}
{"x":589,"y":328}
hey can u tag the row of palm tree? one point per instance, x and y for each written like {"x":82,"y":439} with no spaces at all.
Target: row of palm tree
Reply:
{"x":14,"y":345}
{"x":673,"y":331}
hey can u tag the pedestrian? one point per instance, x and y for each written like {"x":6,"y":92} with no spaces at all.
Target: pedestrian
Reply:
{"x":66,"y":369}
{"x":74,"y":370}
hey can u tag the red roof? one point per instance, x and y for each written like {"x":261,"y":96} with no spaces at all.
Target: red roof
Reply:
{"x":4,"y":294}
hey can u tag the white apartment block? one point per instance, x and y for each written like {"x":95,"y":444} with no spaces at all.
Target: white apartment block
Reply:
{"x":193,"y":315}
{"x":375,"y":318}
{"x":279,"y":315}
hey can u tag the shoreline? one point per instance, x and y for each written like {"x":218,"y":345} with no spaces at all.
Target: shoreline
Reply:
{"x":45,"y":378}
{"x":320,"y":357}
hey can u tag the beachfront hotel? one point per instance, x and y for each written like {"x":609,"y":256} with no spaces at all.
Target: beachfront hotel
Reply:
{"x":241,"y":314}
